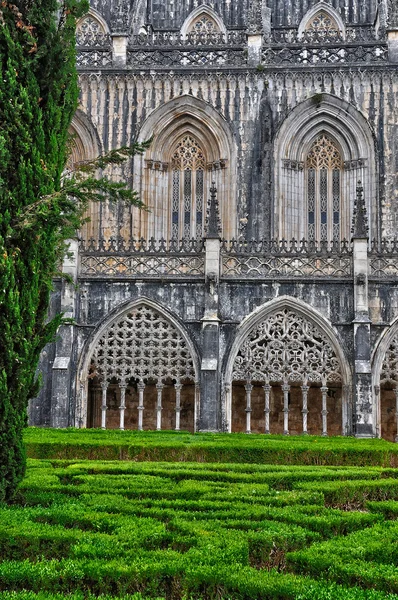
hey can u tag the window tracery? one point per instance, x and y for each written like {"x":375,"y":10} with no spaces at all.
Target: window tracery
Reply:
{"x":188,"y":183}
{"x":89,"y":32}
{"x":323,"y":24}
{"x":145,"y":346}
{"x":324,"y":166}
{"x":204,"y":24}
{"x":287,"y":348}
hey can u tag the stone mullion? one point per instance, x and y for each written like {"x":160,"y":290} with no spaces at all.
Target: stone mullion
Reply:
{"x":104,"y":408}
{"x":122,"y":407}
{"x":324,"y":391}
{"x":141,"y":388}
{"x":286,"y":390}
{"x":249,"y":389}
{"x":159,"y":388}
{"x":178,"y":388}
{"x":267,"y":390}
{"x":305,"y":389}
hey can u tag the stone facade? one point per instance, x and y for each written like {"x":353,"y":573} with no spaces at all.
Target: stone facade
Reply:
{"x":260,"y":290}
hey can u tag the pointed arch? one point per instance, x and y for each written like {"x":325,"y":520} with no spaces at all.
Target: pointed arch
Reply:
{"x":91,"y":29}
{"x":85,"y":141}
{"x":351,"y":134}
{"x":203,"y":11}
{"x":385,"y":382}
{"x":185,"y":116}
{"x":293,"y":360}
{"x":318,"y":9}
{"x":85,"y":144}
{"x":115,"y":348}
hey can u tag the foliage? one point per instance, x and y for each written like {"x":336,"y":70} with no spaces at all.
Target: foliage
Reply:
{"x":192,"y":531}
{"x":240,"y":448}
{"x":39,"y":208}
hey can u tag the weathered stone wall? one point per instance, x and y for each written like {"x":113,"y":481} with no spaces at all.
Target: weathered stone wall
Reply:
{"x":240,"y":97}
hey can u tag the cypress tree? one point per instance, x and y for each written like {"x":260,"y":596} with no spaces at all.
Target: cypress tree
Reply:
{"x":39,"y":207}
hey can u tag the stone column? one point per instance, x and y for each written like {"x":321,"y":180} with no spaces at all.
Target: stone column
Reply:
{"x":122,"y":407}
{"x":159,"y":388}
{"x":178,"y":388}
{"x":104,"y":407}
{"x":210,"y":397}
{"x":140,"y":408}
{"x":249,"y":389}
{"x":63,"y":389}
{"x":364,"y":424}
{"x":324,"y":391}
{"x":286,"y":390}
{"x":305,"y":389}
{"x":267,"y":391}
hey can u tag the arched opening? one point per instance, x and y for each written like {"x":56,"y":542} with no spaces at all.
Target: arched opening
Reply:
{"x":84,"y":145}
{"x":92,"y":30}
{"x":203,"y":22}
{"x":389,"y":393}
{"x":323,"y":148}
{"x":139,"y":373}
{"x":321,"y":22}
{"x":286,"y":374}
{"x":192,"y":147}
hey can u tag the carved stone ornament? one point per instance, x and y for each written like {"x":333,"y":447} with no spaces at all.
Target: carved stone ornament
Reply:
{"x":389,"y":372}
{"x":254,"y":19}
{"x":142,"y":345}
{"x":360,"y":227}
{"x":287,"y":348}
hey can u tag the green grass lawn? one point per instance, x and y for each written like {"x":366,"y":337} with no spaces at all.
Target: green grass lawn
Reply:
{"x":180,"y":529}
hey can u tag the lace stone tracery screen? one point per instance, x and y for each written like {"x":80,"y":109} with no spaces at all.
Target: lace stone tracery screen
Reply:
{"x":142,"y":345}
{"x":324,"y":169}
{"x":389,"y":373}
{"x":287,"y":348}
{"x":188,"y":185}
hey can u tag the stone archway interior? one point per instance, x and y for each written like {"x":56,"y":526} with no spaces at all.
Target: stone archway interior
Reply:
{"x":389,"y":394}
{"x":142,"y":374}
{"x":290,"y":375}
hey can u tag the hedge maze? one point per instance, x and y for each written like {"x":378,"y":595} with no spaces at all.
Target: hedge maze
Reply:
{"x":190,"y":530}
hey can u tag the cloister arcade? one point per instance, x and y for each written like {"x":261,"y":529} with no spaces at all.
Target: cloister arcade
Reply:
{"x":285,"y":374}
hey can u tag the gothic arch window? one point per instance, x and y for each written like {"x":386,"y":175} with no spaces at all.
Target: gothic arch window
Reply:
{"x":322,"y":149}
{"x":204,"y":25}
{"x":188,"y":188}
{"x":321,"y":22}
{"x":142,"y":373}
{"x":192,"y":147}
{"x":92,"y":30}
{"x":203,"y":22}
{"x":324,"y":190}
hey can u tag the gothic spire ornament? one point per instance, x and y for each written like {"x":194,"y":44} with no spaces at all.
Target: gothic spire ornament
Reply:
{"x":213,"y":222}
{"x":360,"y":227}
